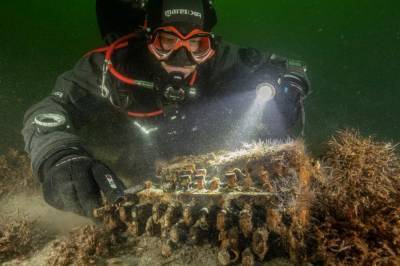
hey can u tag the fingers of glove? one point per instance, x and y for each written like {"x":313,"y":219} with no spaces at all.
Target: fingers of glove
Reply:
{"x":63,"y":182}
{"x":89,"y":203}
{"x":110,"y":185}
{"x":70,"y":199}
{"x":50,"y":195}
{"x":61,"y":195}
{"x":88,"y":193}
{"x":84,"y":189}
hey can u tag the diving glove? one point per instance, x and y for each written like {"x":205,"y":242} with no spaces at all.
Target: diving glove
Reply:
{"x":74,"y":182}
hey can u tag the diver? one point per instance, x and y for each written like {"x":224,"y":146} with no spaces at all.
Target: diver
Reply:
{"x":169,"y":87}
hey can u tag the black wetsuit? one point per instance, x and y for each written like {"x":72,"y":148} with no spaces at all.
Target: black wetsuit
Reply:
{"x":218,"y":118}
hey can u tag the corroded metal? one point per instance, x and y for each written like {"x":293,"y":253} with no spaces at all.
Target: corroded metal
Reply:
{"x":246,"y":221}
{"x":231,"y":181}
{"x":232,"y":208}
{"x":153,"y":224}
{"x":214,"y":184}
{"x":259,"y":243}
{"x":199,"y":183}
{"x":196,"y":210}
{"x":247,"y":257}
{"x":200,"y":230}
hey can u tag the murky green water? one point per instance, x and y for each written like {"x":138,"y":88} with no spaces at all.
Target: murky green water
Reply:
{"x":352,"y":49}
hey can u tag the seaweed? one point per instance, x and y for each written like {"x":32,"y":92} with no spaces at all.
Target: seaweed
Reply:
{"x":20,"y":237}
{"x":250,"y":206}
{"x":16,"y":174}
{"x":87,"y":245}
{"x":356,"y":211}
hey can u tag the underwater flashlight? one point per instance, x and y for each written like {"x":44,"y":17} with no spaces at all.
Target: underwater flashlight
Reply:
{"x":265,"y":92}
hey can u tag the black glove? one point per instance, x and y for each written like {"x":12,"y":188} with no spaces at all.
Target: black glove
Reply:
{"x":73,"y":183}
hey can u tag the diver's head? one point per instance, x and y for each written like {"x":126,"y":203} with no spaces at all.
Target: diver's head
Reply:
{"x":180,"y":33}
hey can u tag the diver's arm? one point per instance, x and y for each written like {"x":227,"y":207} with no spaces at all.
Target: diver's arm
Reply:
{"x":72,"y":103}
{"x":233,"y":62}
{"x":71,"y":178}
{"x":246,"y":68}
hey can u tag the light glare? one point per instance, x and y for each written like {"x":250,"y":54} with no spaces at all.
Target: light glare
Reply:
{"x":265,"y":92}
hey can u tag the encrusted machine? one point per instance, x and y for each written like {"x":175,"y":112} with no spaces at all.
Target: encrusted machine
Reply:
{"x":239,"y":201}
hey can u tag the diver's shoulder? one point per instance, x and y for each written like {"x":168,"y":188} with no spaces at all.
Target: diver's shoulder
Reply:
{"x":221,"y":44}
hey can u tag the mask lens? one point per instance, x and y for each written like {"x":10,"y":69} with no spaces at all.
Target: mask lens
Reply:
{"x":199,"y":45}
{"x":168,"y":41}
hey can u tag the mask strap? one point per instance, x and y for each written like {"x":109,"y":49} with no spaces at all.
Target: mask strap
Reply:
{"x":108,"y":67}
{"x":193,"y":79}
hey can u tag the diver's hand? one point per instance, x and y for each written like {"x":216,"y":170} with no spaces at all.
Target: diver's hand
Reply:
{"x":74,"y":183}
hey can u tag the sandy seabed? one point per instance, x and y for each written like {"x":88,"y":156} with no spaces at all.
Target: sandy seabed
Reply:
{"x":350,"y":215}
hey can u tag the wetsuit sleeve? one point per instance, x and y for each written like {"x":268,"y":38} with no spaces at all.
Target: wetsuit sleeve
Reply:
{"x":75,"y":98}
{"x":240,"y":64}
{"x":236,"y":69}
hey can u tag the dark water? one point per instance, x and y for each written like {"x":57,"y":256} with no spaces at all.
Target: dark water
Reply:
{"x":352,"y":49}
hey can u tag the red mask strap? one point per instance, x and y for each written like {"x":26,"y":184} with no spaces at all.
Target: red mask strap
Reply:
{"x":193,"y":79}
